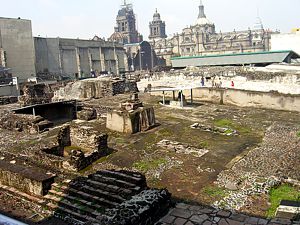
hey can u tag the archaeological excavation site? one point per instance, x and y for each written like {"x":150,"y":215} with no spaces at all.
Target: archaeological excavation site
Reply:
{"x":113,"y":151}
{"x":192,"y":127}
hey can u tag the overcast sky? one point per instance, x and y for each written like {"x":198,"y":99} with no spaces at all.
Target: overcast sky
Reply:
{"x":86,"y":18}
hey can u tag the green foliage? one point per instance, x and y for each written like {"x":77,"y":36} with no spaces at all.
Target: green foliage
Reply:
{"x":283,"y":192}
{"x":231,"y":125}
{"x":146,"y":165}
{"x":224,"y":123}
{"x":298,"y":134}
{"x":215,"y":192}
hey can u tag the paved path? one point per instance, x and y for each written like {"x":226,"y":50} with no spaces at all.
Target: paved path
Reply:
{"x":184,"y":214}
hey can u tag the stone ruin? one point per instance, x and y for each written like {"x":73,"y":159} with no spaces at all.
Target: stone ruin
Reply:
{"x":76,"y":148}
{"x":24,"y":123}
{"x":132,"y":117}
{"x":108,"y":197}
{"x":35,"y":94}
{"x":95,"y":88}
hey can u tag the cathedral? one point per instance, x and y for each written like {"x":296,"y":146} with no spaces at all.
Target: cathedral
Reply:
{"x":201,"y":38}
{"x":125,"y":30}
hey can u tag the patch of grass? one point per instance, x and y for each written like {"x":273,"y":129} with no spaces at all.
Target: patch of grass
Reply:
{"x":215,"y":192}
{"x":146,"y":165}
{"x":231,"y":125}
{"x":224,"y":123}
{"x":298,"y":134}
{"x":283,"y":192}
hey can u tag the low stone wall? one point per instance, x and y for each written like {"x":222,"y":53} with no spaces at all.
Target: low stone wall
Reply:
{"x":243,"y":98}
{"x":8,"y":100}
{"x":24,"y":123}
{"x":9,"y":90}
{"x":29,"y":180}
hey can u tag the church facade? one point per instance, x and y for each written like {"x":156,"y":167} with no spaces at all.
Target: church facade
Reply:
{"x":202,"y":39}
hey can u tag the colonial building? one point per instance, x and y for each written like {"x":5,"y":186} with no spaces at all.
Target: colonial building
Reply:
{"x":202,"y":39}
{"x":125,"y":31}
{"x":157,"y":27}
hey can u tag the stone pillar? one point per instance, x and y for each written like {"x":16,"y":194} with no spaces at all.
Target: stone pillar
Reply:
{"x":78,"y":62}
{"x":60,"y":61}
{"x":102,"y":59}
{"x":117,"y":61}
{"x":90,"y":59}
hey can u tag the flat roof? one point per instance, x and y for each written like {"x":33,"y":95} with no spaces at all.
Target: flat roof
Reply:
{"x":235,"y":59}
{"x":235,"y":54}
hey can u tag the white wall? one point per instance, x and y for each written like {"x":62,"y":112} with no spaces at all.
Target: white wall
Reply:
{"x":286,"y":42}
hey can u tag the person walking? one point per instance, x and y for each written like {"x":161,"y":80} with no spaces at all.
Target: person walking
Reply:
{"x":202,"y":81}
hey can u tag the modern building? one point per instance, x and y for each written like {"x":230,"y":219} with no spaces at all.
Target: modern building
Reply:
{"x":126,"y":31}
{"x":157,"y":27}
{"x":78,"y":58}
{"x":289,"y":41}
{"x":17,"y":47}
{"x":201,"y":38}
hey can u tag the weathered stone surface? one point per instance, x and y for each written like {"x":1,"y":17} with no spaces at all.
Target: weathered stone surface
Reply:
{"x":87,"y":114}
{"x":35,"y":94}
{"x":95,"y":88}
{"x":27,"y":179}
{"x":8,"y":100}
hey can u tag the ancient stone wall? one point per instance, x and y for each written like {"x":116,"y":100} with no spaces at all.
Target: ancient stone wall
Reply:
{"x":95,"y":88}
{"x":24,"y":123}
{"x":131,"y":122}
{"x":244,"y":98}
{"x":29,"y":180}
{"x":8,"y":100}
{"x":35,"y":94}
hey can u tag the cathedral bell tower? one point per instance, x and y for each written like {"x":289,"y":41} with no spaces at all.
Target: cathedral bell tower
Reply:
{"x":157,"y":27}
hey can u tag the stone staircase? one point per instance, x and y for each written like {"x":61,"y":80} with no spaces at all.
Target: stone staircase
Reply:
{"x":86,"y":198}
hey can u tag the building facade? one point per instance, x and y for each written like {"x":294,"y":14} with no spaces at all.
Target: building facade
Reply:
{"x":202,"y":39}
{"x":78,"y":58}
{"x":125,"y":30}
{"x":157,"y":27}
{"x":17,"y":47}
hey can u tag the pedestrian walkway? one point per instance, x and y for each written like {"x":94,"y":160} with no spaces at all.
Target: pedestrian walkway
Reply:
{"x":184,"y":214}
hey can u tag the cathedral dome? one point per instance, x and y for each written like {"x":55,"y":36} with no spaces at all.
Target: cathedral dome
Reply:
{"x":203,"y":21}
{"x":156,"y":16}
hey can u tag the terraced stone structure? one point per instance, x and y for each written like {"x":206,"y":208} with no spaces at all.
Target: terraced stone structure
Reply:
{"x":108,"y":197}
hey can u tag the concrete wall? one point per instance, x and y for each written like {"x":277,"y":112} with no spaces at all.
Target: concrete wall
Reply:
{"x":73,"y":56}
{"x":286,"y":42}
{"x":9,"y":90}
{"x":17,"y":42}
{"x":242,"y":98}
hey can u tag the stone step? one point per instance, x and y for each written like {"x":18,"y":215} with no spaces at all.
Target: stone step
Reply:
{"x":135,"y":179}
{"x":98,"y":193}
{"x":113,"y":181}
{"x":63,"y":212}
{"x":111,"y":188}
{"x":91,"y":204}
{"x":85,"y":196}
{"x":74,"y":206}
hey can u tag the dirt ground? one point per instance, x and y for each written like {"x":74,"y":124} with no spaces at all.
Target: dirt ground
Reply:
{"x":186,"y":176}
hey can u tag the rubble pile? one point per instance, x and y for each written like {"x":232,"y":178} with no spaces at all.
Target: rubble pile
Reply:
{"x":182,"y":148}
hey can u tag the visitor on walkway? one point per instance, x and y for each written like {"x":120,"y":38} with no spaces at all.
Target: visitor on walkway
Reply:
{"x":202,"y":81}
{"x":232,"y":83}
